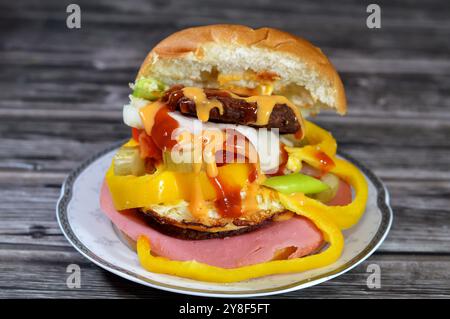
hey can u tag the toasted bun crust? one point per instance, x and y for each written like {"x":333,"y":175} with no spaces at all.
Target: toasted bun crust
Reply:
{"x":196,"y":56}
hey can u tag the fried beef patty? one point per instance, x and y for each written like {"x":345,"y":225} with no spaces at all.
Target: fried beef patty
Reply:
{"x":235,"y":111}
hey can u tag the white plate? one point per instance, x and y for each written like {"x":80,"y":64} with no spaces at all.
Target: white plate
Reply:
{"x":92,"y":234}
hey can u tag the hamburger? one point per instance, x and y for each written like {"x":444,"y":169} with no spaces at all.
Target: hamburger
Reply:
{"x":223,"y":178}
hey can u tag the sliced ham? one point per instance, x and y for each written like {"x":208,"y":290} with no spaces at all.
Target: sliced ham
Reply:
{"x":247,"y":249}
{"x":343,"y":195}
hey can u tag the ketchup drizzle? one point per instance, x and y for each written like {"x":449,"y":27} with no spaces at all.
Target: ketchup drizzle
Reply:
{"x":228,"y":201}
{"x":162,"y":129}
{"x":284,"y":156}
{"x":326,"y":163}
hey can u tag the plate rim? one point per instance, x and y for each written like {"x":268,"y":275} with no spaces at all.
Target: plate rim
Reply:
{"x":383,"y":203}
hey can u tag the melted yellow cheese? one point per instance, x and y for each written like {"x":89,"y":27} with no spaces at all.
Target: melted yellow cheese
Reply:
{"x":197,"y":204}
{"x":265,"y":105}
{"x":148,"y":114}
{"x":202,"y":103}
{"x":250,"y":202}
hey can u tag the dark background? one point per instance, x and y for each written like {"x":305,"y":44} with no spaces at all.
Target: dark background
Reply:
{"x":62,"y":91}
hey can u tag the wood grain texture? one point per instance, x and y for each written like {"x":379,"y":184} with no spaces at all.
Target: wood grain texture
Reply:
{"x":62,"y":91}
{"x":42,"y":273}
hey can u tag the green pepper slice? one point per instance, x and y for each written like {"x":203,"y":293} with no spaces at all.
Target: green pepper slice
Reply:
{"x":296,"y":183}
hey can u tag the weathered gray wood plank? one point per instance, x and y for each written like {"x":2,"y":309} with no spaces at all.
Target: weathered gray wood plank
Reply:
{"x":43,"y":274}
{"x":61,"y":94}
{"x":144,"y":23}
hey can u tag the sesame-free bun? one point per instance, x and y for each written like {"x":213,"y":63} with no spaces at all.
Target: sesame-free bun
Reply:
{"x":239,"y":56}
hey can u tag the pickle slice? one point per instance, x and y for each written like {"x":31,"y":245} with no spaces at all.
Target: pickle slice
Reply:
{"x":185,"y":166}
{"x":127,"y":161}
{"x":295,"y":142}
{"x":333,"y":183}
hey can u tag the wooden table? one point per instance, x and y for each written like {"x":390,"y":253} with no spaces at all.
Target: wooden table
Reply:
{"x":62,"y":91}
